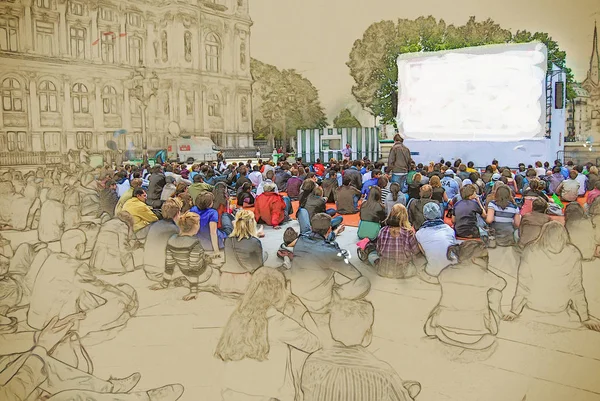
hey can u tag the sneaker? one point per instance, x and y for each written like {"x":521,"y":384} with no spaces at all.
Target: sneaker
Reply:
{"x":172,"y":392}
{"x":125,"y":385}
{"x":282,"y":253}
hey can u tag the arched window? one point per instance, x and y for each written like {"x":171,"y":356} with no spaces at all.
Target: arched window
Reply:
{"x":165,"y":46}
{"x":187,"y":45}
{"x":12,"y":95}
{"x":214,"y":106}
{"x":47,"y":94}
{"x":79,"y":95}
{"x":109,"y":100}
{"x":213,"y":53}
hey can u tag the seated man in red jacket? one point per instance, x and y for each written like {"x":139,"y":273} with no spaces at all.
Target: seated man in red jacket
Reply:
{"x":271,"y":208}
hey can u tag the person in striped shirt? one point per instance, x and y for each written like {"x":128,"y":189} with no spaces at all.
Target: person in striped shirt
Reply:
{"x":504,"y":217}
{"x":185,"y":252}
{"x":347,"y":370}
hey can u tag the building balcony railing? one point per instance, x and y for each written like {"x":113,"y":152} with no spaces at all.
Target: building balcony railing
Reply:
{"x":23,"y":158}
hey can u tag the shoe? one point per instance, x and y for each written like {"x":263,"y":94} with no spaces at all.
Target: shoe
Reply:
{"x":284,"y":252}
{"x":125,"y":385}
{"x":172,"y":392}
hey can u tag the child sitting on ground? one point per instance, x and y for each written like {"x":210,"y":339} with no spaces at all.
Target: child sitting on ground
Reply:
{"x":286,"y":250}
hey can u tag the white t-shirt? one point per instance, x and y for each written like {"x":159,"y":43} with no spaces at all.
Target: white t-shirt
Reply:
{"x":435,"y":242}
{"x":540,"y":171}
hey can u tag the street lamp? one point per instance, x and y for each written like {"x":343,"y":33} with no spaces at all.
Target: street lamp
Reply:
{"x":144,"y":86}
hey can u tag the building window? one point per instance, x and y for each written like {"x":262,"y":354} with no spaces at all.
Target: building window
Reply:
{"x":52,"y":141}
{"x":76,"y":8}
{"x":213,"y":53}
{"x":77,"y":42}
{"x":48,"y":95}
{"x":187,"y":45}
{"x":17,"y":141}
{"x":106,"y":14}
{"x":47,"y":4}
{"x":214,"y":107}
{"x":9,"y":34}
{"x":45,"y":37}
{"x":107,"y":45}
{"x":134,"y":20}
{"x":109,"y":100}
{"x":79,"y":96}
{"x":3,"y":142}
{"x":164,"y":44}
{"x":136,"y":55}
{"x":166,"y":106}
{"x":84,"y":139}
{"x":12,"y":96}
{"x":189,"y":103}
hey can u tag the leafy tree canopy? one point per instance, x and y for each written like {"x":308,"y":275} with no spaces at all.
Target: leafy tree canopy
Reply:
{"x":373,"y":57}
{"x":283,"y":101}
{"x":346,"y":120}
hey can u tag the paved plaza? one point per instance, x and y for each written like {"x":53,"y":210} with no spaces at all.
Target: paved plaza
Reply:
{"x":172,"y":341}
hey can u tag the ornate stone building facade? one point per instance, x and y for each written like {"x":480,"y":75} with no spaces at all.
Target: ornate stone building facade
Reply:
{"x":591,"y":85}
{"x":67,"y":67}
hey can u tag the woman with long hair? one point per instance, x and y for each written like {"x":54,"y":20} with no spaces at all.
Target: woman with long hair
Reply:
{"x":469,"y":312}
{"x":503,"y":216}
{"x":415,"y":186}
{"x":397,"y":253}
{"x":243,"y":254}
{"x":221,"y":202}
{"x":439,"y":193}
{"x":372,"y":209}
{"x":257,"y":339}
{"x":550,"y":281}
{"x":581,"y":230}
{"x":394,"y":197}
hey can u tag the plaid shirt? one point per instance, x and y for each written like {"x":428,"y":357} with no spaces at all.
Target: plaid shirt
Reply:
{"x":400,"y":249}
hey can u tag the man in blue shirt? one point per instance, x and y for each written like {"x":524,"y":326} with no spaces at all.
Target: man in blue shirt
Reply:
{"x":375,"y":175}
{"x":450,"y":184}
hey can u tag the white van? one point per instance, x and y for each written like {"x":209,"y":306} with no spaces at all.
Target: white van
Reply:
{"x":193,"y":149}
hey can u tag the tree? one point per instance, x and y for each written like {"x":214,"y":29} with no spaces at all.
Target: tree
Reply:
{"x":284,"y":101}
{"x":346,"y":120}
{"x":373,"y":59}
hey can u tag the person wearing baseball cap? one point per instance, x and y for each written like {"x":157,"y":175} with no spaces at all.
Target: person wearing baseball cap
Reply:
{"x":434,"y":238}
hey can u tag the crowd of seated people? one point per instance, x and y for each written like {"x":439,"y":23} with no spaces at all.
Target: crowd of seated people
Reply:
{"x":181,"y":225}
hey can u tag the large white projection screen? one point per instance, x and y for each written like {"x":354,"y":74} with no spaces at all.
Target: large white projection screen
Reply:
{"x":485,"y":93}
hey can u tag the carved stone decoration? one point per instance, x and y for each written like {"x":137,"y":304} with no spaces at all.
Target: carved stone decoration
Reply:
{"x":187,"y":45}
{"x":156,"y":46}
{"x":244,"y":108}
{"x":243,"y":56}
{"x":165,"y":49}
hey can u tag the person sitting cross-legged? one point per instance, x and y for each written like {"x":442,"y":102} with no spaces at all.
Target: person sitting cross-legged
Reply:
{"x":142,"y":214}
{"x":185,"y":252}
{"x":435,"y":237}
{"x":319,"y":268}
{"x":270,"y":208}
{"x":155,"y":248}
{"x":550,"y":281}
{"x":327,"y":373}
{"x":469,"y":312}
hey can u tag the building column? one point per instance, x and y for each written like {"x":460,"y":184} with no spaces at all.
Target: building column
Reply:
{"x":67,"y":111}
{"x":126,"y":122}
{"x":63,"y":33}
{"x":203,"y":110}
{"x":149,"y":59}
{"x":98,"y":110}
{"x":182,"y":107}
{"x":95,"y":34}
{"x":34,"y":104}
{"x":195,"y":48}
{"x":197,"y":111}
{"x":122,"y":42}
{"x":26,"y":29}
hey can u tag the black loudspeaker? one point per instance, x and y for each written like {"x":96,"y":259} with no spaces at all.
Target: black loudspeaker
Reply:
{"x":559,"y":95}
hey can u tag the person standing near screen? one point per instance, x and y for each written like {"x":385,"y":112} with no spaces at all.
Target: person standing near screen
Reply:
{"x":399,"y":161}
{"x":347,"y":152}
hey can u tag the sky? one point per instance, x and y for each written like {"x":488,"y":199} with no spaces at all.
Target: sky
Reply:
{"x":315,"y":36}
